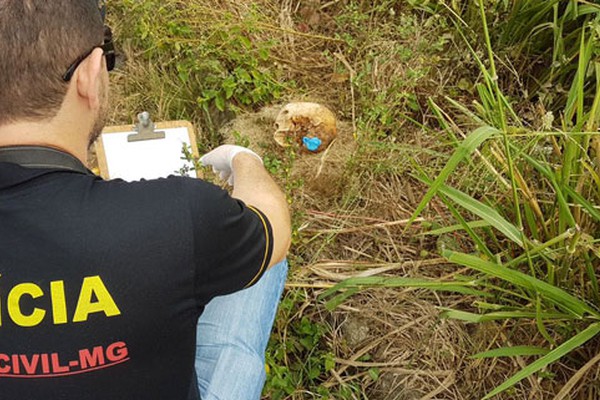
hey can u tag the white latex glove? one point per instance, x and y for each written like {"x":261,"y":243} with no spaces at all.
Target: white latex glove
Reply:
{"x":221,"y":159}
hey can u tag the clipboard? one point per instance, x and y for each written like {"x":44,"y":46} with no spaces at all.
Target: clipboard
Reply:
{"x":147,"y":150}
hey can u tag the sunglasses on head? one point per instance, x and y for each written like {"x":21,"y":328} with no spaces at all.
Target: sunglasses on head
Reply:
{"x":109,"y":52}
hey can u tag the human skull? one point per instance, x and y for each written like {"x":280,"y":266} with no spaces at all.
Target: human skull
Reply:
{"x":308,"y":125}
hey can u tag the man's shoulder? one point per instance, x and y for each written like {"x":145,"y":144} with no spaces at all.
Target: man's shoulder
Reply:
{"x":168,"y":186}
{"x":173,"y":191}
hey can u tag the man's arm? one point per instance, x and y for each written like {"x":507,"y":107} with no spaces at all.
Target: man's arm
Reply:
{"x":253,"y":185}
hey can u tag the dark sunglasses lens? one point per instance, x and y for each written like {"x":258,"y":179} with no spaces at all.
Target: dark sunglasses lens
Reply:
{"x":111,"y":60}
{"x":107,"y":33}
{"x":109,"y":49}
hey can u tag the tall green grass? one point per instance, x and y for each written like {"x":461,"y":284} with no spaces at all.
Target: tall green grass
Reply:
{"x":538,"y":257}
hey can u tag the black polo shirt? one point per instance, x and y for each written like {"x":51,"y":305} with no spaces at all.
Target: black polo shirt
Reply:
{"x":102,"y":282}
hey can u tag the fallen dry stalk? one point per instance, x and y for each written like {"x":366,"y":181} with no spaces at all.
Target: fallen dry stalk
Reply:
{"x":398,"y":370}
{"x":337,"y":216}
{"x":566,"y":390}
{"x":324,"y":273}
{"x":295,"y":285}
{"x":450,"y":379}
{"x":362,"y":228}
{"x":352,"y":72}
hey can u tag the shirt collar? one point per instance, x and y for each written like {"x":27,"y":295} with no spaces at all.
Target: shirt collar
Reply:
{"x":41,"y":158}
{"x":20,"y":164}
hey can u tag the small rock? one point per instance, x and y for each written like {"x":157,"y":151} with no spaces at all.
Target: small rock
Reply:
{"x":356,"y":330}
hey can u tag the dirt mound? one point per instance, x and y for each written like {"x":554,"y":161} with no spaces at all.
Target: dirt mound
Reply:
{"x":320,"y":174}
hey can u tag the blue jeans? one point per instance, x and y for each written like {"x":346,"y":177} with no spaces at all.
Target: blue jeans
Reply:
{"x":232,"y":336}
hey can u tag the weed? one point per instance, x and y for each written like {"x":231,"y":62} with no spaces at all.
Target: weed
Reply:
{"x":298,"y":360}
{"x":193,"y":163}
{"x":535,"y":263}
{"x":240,"y":139}
{"x":217,"y":66}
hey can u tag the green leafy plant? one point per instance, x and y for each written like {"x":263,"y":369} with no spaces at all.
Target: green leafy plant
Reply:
{"x":217,"y":66}
{"x":298,"y":360}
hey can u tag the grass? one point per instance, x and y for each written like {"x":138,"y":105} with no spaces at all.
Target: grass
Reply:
{"x":448,"y":245}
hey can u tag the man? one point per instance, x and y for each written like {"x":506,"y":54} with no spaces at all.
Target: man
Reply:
{"x":102,"y":283}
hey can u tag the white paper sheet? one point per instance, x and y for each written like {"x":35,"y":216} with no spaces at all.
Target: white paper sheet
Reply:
{"x":148,"y":159}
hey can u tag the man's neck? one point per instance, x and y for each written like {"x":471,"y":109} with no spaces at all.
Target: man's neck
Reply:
{"x":44,"y":134}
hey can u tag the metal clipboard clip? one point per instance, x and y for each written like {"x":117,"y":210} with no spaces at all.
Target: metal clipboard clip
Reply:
{"x":145,"y":129}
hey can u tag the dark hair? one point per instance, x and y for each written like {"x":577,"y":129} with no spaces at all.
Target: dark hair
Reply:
{"x":39,"y":39}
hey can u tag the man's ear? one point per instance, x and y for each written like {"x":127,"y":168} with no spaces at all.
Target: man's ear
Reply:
{"x":88,"y":78}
